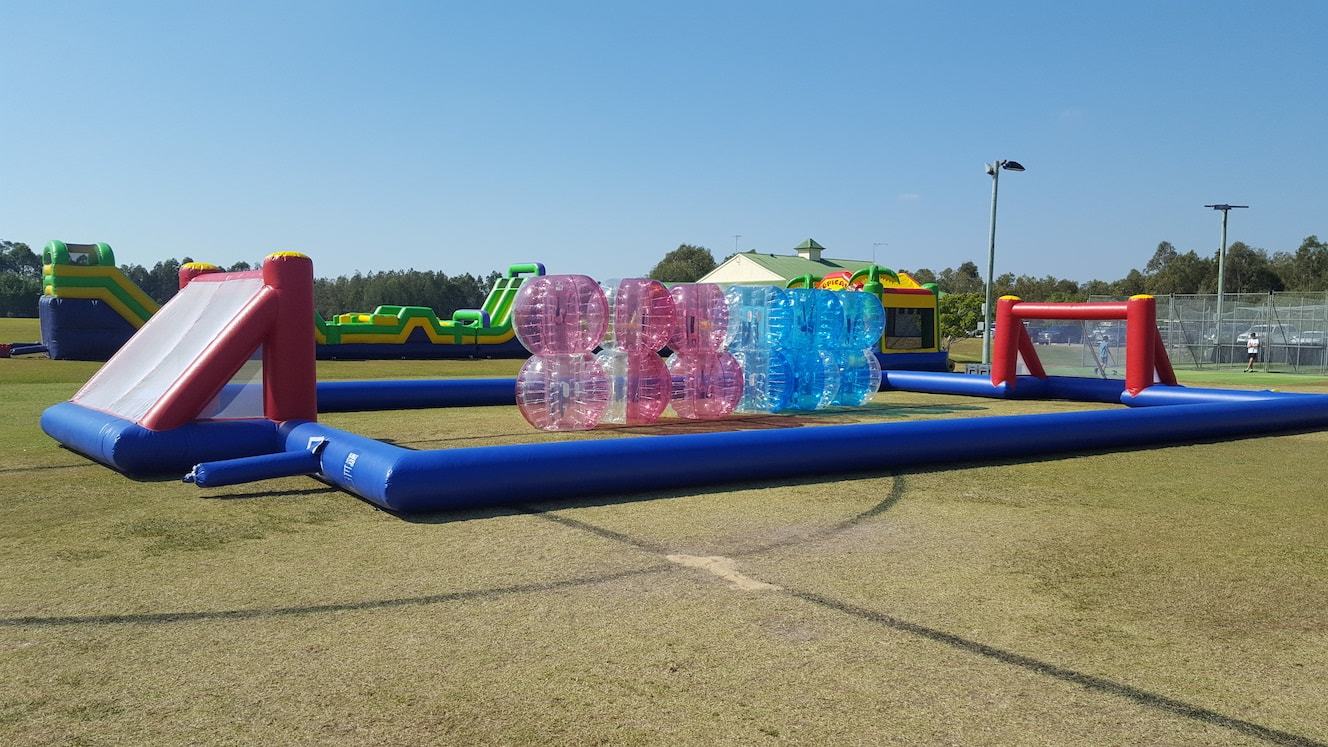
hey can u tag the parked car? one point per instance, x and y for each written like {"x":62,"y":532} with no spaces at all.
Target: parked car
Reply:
{"x":1061,"y":333}
{"x":1280,"y":334}
{"x":1314,"y":337}
{"x":1115,"y":336}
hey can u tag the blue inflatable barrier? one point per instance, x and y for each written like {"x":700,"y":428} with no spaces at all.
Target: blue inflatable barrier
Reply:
{"x":1155,"y":396}
{"x":135,"y":450}
{"x":408,"y":481}
{"x":252,"y":469}
{"x":354,"y":396}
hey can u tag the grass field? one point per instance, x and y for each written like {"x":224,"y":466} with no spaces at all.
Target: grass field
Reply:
{"x":1163,"y":596}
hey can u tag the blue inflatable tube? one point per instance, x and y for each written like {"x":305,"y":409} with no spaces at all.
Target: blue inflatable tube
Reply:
{"x":353,"y":396}
{"x":410,"y":481}
{"x":1161,"y":395}
{"x":135,"y":450}
{"x":1026,"y":387}
{"x":252,"y":469}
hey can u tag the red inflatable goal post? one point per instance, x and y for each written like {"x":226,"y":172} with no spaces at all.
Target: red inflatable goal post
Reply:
{"x":1146,"y":361}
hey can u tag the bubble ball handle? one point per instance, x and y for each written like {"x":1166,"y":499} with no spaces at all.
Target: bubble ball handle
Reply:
{"x":827,"y":319}
{"x":641,"y":317}
{"x":859,"y":378}
{"x":706,"y":385}
{"x":560,"y":314}
{"x":864,"y":319}
{"x":767,"y":380}
{"x":816,"y":379}
{"x":753,"y":316}
{"x":792,"y":320}
{"x":639,"y":386}
{"x":701,"y":321}
{"x":562,"y":392}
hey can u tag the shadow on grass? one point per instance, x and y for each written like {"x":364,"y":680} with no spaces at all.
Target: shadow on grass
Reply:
{"x":268,"y":494}
{"x":235,"y":615}
{"x":518,"y":507}
{"x":48,"y":467}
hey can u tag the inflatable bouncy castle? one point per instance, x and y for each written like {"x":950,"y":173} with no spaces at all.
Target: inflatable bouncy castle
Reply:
{"x":88,"y":308}
{"x":910,"y":340}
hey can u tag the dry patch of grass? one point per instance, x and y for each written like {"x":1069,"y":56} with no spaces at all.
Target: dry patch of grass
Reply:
{"x":149,"y":612}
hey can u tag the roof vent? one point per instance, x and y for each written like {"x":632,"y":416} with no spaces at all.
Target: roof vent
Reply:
{"x":809,"y":249}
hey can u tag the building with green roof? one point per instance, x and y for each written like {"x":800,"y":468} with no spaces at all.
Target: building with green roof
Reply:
{"x":759,"y":268}
{"x":910,"y":340}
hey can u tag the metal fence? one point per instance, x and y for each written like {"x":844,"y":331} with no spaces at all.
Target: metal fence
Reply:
{"x":1292,"y":327}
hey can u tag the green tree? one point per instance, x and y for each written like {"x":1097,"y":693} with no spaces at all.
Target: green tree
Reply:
{"x":1163,"y":256}
{"x":1306,"y":269}
{"x":1131,"y":285}
{"x":923,"y":275}
{"x":961,"y":279}
{"x":686,"y":264}
{"x":1177,"y":273}
{"x":19,"y":294}
{"x":960,"y":314}
{"x":1249,"y":270}
{"x":19,"y":259}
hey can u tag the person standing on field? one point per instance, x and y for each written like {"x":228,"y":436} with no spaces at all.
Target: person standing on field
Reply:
{"x":1252,"y":350}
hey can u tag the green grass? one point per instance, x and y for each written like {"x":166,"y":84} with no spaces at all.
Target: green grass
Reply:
{"x":152,"y":612}
{"x":19,"y":330}
{"x":970,"y":351}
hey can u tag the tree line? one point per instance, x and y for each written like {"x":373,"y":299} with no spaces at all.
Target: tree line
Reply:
{"x":21,"y":286}
{"x":1248,"y":270}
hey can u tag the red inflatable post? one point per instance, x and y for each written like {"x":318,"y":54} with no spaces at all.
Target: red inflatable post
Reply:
{"x":1165,"y":373}
{"x":191,"y":270}
{"x":1140,"y":343}
{"x":1005,"y":350}
{"x":290,"y":380}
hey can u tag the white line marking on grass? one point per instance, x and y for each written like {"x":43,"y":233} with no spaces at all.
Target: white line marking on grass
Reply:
{"x":724,"y":568}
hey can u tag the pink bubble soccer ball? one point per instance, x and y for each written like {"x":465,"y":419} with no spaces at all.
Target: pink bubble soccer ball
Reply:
{"x":639,"y":386}
{"x":642,"y":312}
{"x":702,"y":320}
{"x":562,"y":392}
{"x":706,"y":385}
{"x":560,"y":314}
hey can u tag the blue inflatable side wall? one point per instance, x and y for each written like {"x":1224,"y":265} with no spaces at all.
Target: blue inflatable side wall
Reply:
{"x":420,"y":349}
{"x":939,"y":361}
{"x":352,"y":396}
{"x":407,"y":481}
{"x":135,"y":450}
{"x":81,"y":329}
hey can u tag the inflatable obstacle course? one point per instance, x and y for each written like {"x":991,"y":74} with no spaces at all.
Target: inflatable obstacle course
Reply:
{"x":417,"y":332}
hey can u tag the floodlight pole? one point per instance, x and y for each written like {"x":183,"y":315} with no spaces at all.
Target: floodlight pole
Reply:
{"x":874,"y":245}
{"x":994,"y":169}
{"x":1222,"y":267}
{"x":736,"y":236}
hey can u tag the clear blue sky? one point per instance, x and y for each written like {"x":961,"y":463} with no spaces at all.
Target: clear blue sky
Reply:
{"x":596,"y":136}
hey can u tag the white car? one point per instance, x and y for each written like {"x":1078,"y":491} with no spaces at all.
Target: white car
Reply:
{"x":1274,"y":333}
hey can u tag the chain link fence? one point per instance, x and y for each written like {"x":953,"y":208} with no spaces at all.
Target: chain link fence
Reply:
{"x":1292,"y":328}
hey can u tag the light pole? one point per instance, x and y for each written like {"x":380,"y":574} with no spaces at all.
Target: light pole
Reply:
{"x":1222,"y":269}
{"x":874,"y":245}
{"x":736,"y":236}
{"x":994,"y":171}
